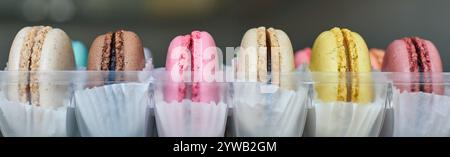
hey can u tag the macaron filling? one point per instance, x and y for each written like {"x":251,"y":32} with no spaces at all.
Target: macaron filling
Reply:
{"x":112,"y":57}
{"x":352,"y":57}
{"x":348,"y":89}
{"x":268,"y":56}
{"x":112,"y":54}
{"x":419,"y":60}
{"x":342,"y":65}
{"x":348,"y":61}
{"x":119,"y":62}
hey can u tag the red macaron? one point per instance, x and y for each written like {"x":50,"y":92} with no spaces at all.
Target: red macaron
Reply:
{"x":414,"y":55}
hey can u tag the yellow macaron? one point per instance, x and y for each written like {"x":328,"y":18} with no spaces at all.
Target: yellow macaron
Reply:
{"x":346,"y":53}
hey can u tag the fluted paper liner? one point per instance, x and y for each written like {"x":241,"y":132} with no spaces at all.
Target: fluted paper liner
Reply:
{"x":189,"y":119}
{"x":113,"y":110}
{"x":345,"y":119}
{"x":24,"y":120}
{"x":266,"y":110}
{"x":421,"y":114}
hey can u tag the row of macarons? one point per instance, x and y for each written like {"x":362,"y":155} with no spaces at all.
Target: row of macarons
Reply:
{"x":265,"y":54}
{"x":25,"y":40}
{"x":265,"y":51}
{"x":302,"y":56}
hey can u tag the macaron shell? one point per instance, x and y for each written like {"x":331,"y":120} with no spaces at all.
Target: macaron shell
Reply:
{"x":57,"y":54}
{"x":436,"y":67}
{"x":363,"y":91}
{"x":247,"y":69}
{"x":203,"y":52}
{"x":363,"y":58}
{"x":16,"y":48}
{"x":205,"y":59}
{"x":15,"y":91}
{"x":436,"y":62}
{"x":396,"y":57}
{"x":95,"y":54}
{"x":178,"y":65}
{"x":287,"y":65}
{"x":325,"y":58}
{"x":134,"y":59}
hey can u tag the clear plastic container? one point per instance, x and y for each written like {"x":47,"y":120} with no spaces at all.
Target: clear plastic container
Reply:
{"x":420,"y":105}
{"x":261,"y":109}
{"x":359,"y":113}
{"x":51,"y":91}
{"x":186,"y":116}
{"x":114,"y":104}
{"x":87,"y":103}
{"x":75,"y":103}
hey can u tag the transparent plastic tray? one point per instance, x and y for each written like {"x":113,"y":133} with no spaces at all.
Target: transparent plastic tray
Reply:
{"x":87,"y":103}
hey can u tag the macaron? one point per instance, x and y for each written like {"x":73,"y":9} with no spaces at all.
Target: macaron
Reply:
{"x":193,"y":55}
{"x":80,"y":53}
{"x":415,"y":55}
{"x":39,"y":48}
{"x":343,"y":52}
{"x":265,"y":56}
{"x":116,"y":51}
{"x":376,"y":58}
{"x":302,"y":56}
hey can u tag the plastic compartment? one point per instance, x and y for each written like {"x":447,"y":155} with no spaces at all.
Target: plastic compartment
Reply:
{"x":417,"y":113}
{"x":114,"y":104}
{"x":51,"y":118}
{"x":330,"y":117}
{"x":261,"y":109}
{"x":185,"y":117}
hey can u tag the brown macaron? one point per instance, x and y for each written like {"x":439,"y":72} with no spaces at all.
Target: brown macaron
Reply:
{"x":116,"y":51}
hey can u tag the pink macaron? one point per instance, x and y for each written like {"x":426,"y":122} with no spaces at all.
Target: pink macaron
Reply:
{"x":194,"y":56}
{"x":414,"y":55}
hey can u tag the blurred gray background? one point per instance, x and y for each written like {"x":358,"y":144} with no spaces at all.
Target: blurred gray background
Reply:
{"x":158,"y":21}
